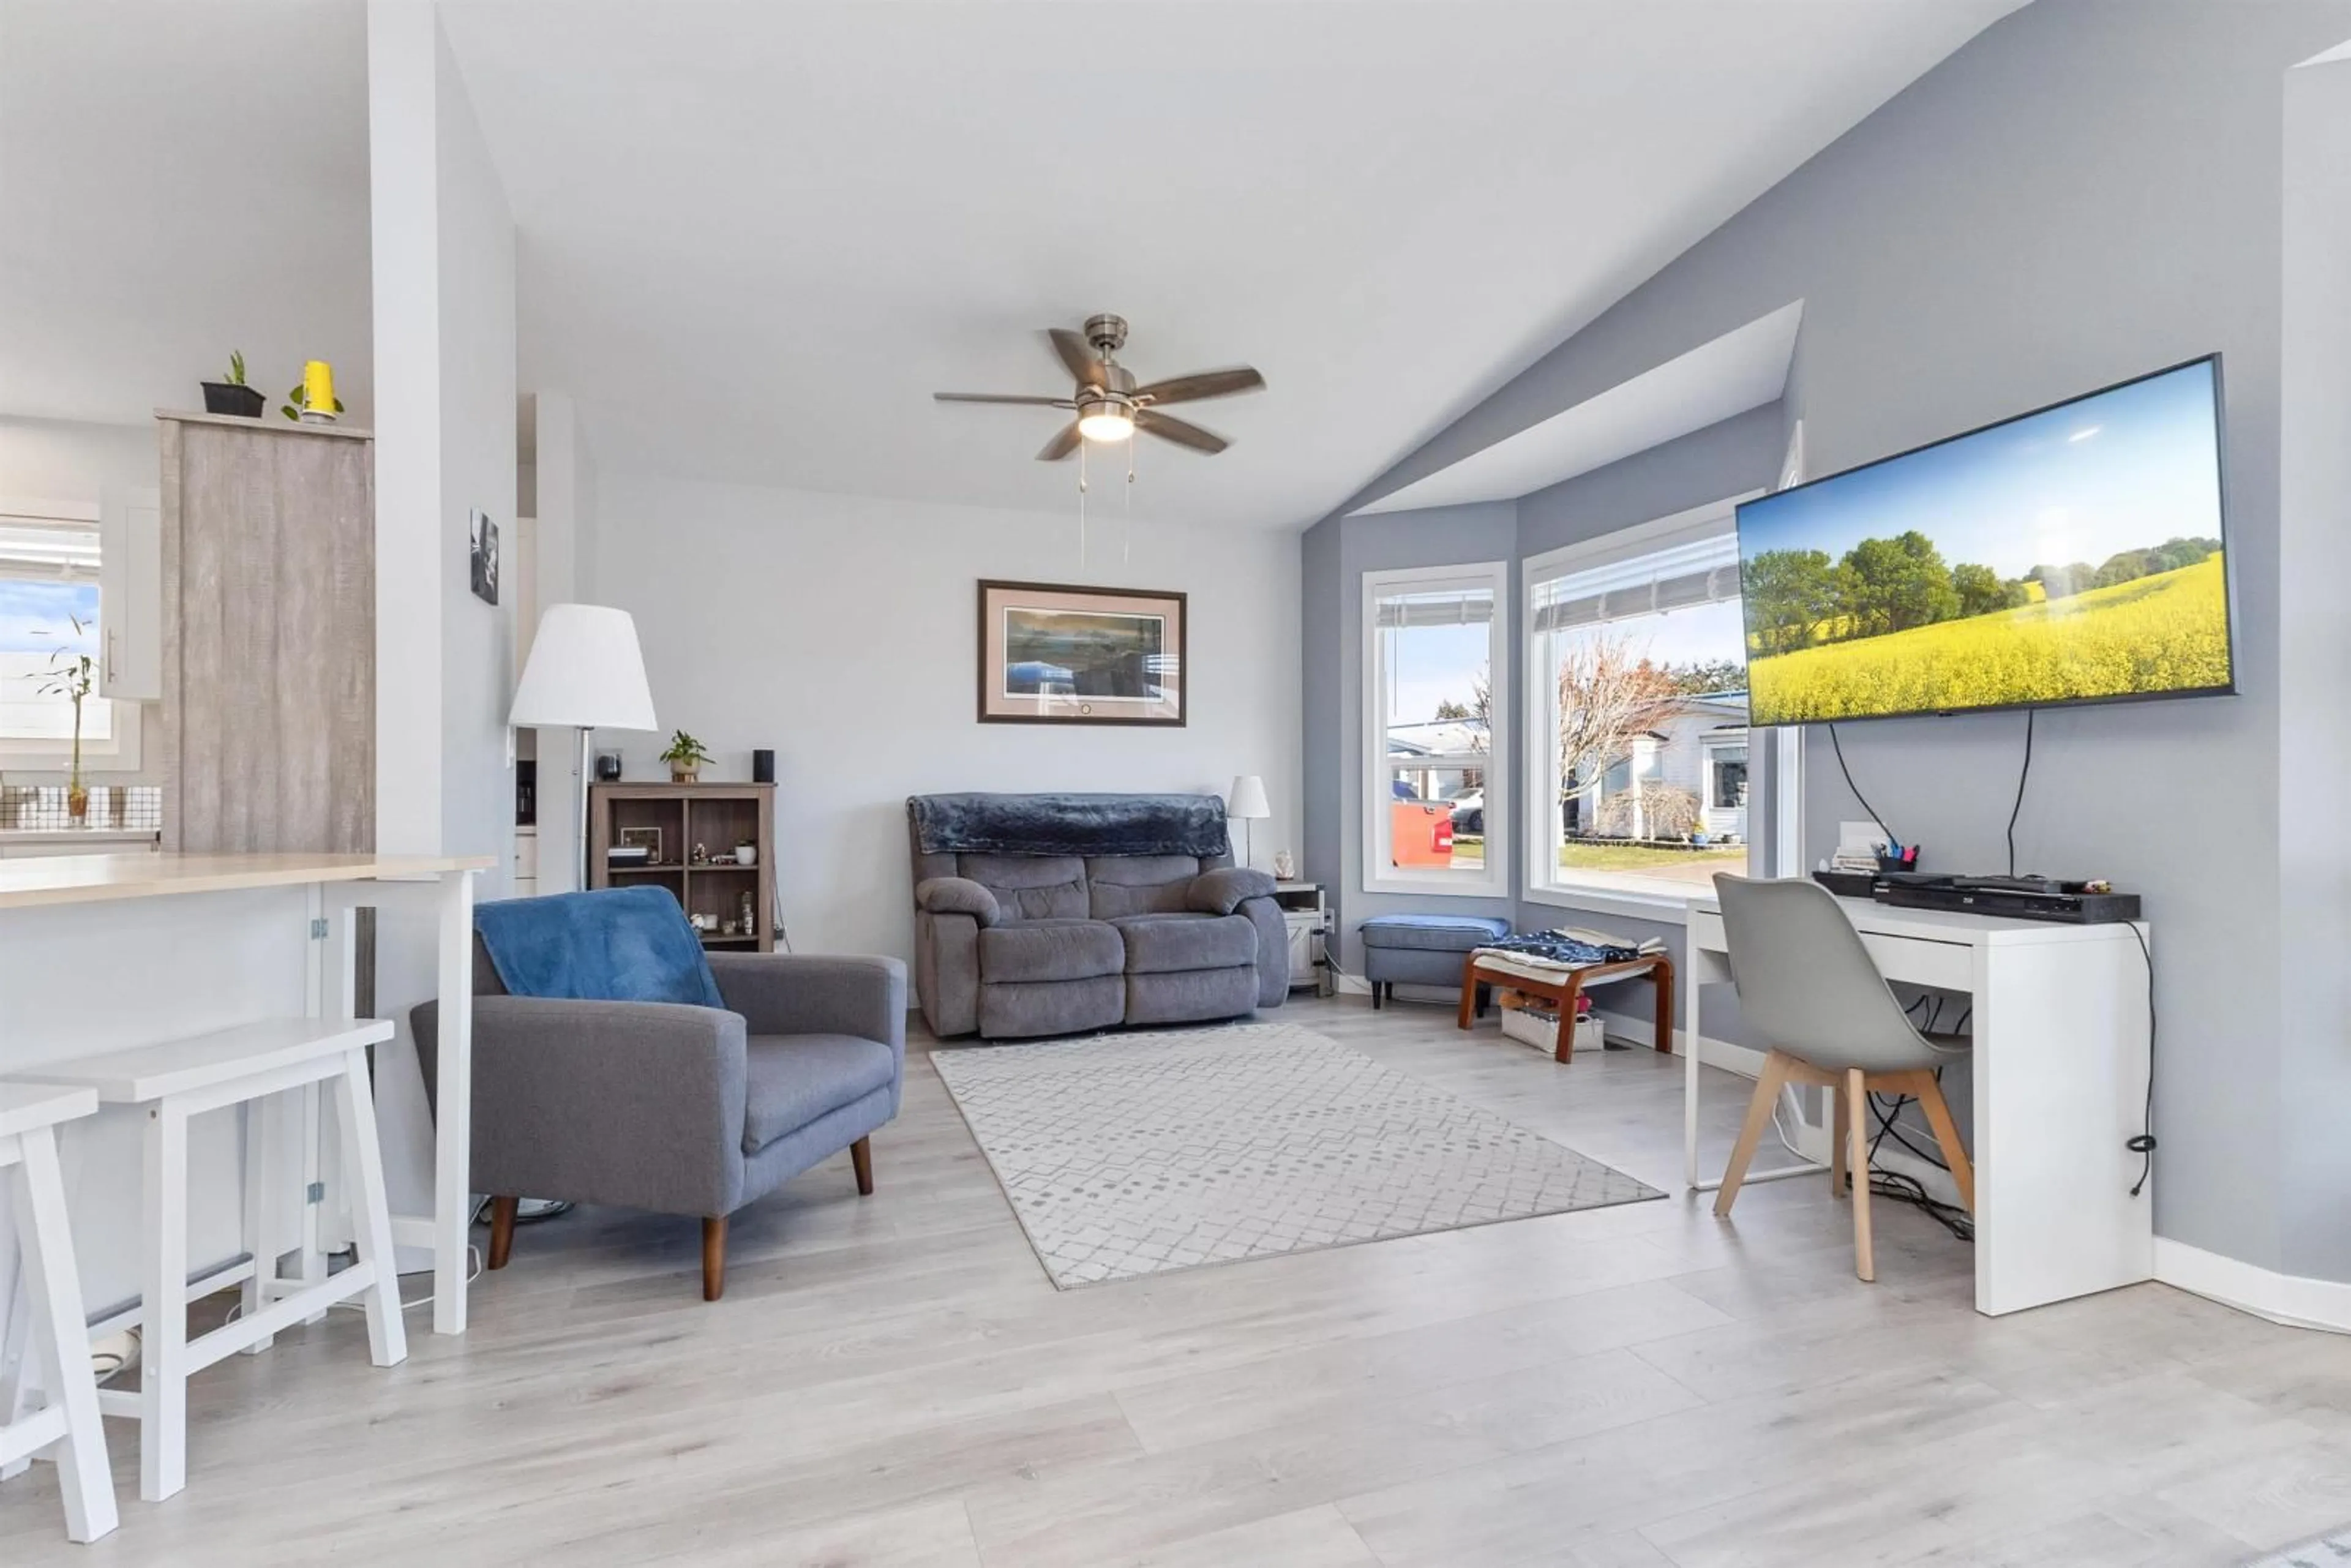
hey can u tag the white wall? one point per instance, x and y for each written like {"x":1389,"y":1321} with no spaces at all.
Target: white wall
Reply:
{"x":444,"y":317}
{"x":68,"y":460}
{"x":477,"y":470}
{"x":843,"y":633}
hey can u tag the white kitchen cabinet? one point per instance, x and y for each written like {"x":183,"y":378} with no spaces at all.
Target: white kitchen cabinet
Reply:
{"x":130,"y":595}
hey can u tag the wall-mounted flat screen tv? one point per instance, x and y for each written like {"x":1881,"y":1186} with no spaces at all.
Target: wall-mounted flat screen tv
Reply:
{"x":2072,"y":555}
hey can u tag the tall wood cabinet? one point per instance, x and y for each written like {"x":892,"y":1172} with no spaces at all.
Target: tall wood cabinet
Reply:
{"x":678,"y":819}
{"x":269,"y":635}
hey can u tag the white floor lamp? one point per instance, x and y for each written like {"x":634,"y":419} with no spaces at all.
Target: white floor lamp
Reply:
{"x":586,"y":673}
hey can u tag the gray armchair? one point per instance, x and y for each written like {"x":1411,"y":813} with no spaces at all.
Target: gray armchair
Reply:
{"x":681,"y":1109}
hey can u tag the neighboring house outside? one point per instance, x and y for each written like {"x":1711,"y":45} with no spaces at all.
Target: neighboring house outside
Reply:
{"x":1461,"y":743}
{"x":1702,"y":750}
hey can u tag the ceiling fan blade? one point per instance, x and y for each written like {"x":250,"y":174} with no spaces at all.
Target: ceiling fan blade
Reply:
{"x":1065,"y":440}
{"x":1203,"y":383}
{"x":1085,"y":367}
{"x":1003,"y":397}
{"x":1167,"y":427}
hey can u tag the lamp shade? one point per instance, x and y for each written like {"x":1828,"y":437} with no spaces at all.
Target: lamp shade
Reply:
{"x":585,"y":671}
{"x":1247,"y":799}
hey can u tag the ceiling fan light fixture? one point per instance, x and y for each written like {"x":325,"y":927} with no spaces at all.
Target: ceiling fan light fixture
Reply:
{"x":1101,"y":419}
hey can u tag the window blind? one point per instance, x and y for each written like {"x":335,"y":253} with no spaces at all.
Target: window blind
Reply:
{"x":1669,"y":576}
{"x":47,"y":550}
{"x":1445,"y":607}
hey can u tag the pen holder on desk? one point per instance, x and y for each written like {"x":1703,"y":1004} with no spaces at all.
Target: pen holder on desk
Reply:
{"x":1899,"y":863}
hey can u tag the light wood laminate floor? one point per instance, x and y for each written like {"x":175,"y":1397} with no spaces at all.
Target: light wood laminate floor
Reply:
{"x":892,"y":1381}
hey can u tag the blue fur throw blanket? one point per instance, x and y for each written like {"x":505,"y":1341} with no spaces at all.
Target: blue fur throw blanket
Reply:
{"x":613,"y":945}
{"x":1070,"y":824}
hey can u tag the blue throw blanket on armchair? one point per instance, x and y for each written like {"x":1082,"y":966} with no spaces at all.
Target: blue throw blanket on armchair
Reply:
{"x":611,"y":944}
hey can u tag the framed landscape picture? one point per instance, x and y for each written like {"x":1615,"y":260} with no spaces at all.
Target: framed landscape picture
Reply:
{"x":1060,"y":654}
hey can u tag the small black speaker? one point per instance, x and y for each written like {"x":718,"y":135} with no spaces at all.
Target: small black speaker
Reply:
{"x":608,"y":766}
{"x":763,"y":768}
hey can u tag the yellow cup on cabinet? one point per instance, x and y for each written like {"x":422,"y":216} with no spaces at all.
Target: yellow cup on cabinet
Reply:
{"x":318,"y":389}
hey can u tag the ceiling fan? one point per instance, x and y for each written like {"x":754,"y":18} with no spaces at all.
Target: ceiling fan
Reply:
{"x":1109,"y":406}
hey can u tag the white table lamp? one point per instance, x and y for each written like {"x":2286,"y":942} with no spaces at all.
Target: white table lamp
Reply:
{"x":586,"y":672}
{"x":1247,"y":803}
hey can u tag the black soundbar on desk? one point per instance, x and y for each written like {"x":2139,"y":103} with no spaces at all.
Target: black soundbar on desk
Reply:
{"x":2013,"y":897}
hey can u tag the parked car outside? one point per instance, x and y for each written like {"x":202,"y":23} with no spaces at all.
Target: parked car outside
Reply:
{"x":1469,"y":812}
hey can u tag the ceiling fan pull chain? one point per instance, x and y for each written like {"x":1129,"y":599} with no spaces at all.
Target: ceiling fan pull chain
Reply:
{"x":1081,"y":507}
{"x":1126,"y":517}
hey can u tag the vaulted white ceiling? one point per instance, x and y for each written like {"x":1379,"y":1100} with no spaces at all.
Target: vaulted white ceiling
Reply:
{"x":757,"y":235}
{"x":754,"y":238}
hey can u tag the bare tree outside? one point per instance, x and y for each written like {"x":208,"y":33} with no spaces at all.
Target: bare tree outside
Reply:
{"x":1608,"y":694}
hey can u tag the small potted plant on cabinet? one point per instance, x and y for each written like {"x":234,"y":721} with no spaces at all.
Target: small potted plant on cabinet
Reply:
{"x":685,"y":757}
{"x":72,"y":677}
{"x":233,"y":396}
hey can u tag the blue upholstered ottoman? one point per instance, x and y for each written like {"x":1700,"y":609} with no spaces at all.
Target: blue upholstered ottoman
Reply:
{"x":1422,"y":949}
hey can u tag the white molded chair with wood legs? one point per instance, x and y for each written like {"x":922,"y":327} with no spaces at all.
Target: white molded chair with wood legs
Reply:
{"x":1807,"y":984}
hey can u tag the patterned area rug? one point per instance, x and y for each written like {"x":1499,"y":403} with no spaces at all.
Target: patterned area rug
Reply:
{"x":2332,"y":1550}
{"x":1127,"y":1154}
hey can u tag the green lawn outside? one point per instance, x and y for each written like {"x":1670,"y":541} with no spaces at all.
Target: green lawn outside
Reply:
{"x":1644,"y":859}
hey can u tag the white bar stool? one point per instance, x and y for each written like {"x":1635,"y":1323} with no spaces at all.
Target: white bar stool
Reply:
{"x":67,"y":1426}
{"x":180,"y":1078}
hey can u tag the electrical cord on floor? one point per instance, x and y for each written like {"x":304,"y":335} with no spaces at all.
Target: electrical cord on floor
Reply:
{"x":2021,"y":775}
{"x":2144,"y":1144}
{"x":1838,"y":747}
{"x":1888,"y":1124}
{"x":1901,"y":1189}
{"x":474,"y":1268}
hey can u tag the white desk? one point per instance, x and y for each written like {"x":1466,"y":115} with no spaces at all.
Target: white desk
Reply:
{"x":2060,"y":1074}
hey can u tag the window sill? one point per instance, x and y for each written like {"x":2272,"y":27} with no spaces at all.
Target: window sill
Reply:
{"x":1663,"y":906}
{"x":1412,"y":888}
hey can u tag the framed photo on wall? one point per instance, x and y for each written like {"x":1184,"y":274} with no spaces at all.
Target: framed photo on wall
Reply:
{"x":1057,"y":652}
{"x":482,"y":543}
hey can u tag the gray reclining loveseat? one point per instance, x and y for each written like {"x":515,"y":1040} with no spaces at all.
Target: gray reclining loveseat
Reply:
{"x":1038,"y":915}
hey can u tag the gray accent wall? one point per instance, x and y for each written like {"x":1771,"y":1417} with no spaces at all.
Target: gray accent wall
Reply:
{"x":1332,"y":615}
{"x":2089,"y":190}
{"x":2314,"y":654}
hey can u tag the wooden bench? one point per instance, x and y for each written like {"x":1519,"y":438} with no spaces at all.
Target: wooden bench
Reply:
{"x":1478,"y":972}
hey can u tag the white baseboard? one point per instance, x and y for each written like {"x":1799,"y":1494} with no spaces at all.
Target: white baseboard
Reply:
{"x":2286,"y":1299}
{"x":1636,"y":1029}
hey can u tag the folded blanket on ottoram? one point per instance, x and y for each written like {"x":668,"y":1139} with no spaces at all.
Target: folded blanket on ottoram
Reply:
{"x":1572,"y":949}
{"x":1070,"y":824}
{"x":611,"y":944}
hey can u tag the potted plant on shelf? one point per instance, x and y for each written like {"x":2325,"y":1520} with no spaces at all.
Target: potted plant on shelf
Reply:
{"x":233,"y":396}
{"x":72,"y":675}
{"x":685,"y":757}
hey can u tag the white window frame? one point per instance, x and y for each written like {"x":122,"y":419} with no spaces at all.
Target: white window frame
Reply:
{"x":1379,"y":874}
{"x":1787,"y":739}
{"x":119,"y":752}
{"x":1621,"y":894}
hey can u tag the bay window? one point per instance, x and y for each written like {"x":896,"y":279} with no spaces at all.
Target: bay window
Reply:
{"x":1637,"y":714}
{"x":1436,"y":794}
